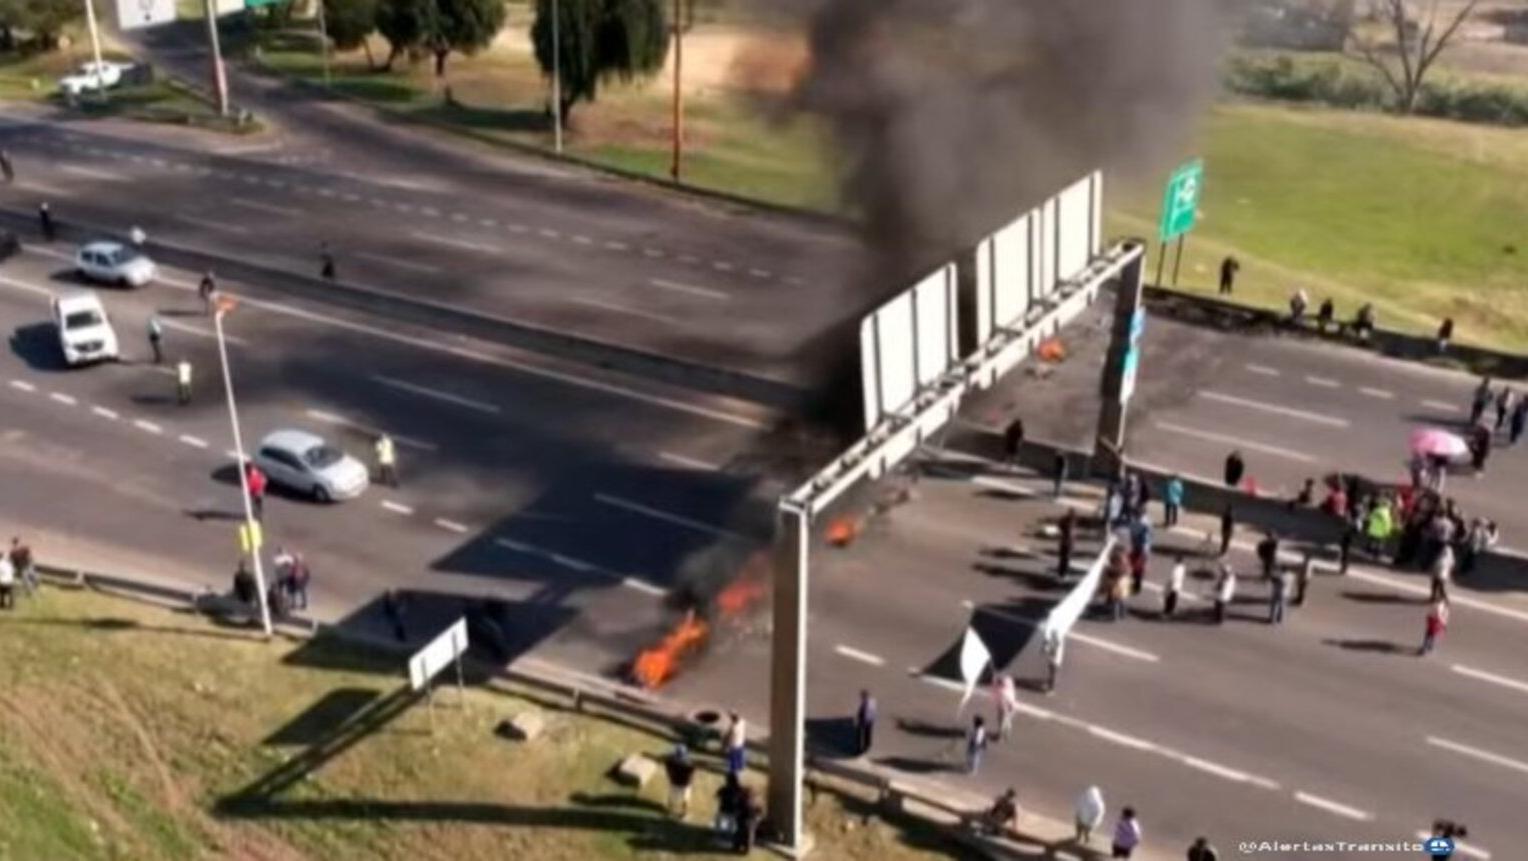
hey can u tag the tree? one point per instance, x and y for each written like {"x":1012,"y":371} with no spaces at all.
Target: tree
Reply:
{"x":349,"y":23}
{"x":1417,"y":45}
{"x":42,"y":20}
{"x":599,"y":40}
{"x":403,"y":23}
{"x":464,"y":26}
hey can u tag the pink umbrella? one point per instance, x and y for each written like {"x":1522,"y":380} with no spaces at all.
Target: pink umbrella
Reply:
{"x":1435,"y":442}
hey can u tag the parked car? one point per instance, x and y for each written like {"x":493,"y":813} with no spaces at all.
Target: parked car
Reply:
{"x":84,"y":329}
{"x":93,"y":76}
{"x":114,"y":263}
{"x":305,"y":463}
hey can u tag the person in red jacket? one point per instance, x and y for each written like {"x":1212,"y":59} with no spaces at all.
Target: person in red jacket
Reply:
{"x":255,"y":480}
{"x":1437,"y":623}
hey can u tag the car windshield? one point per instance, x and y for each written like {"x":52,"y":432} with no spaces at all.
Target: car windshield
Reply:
{"x":82,"y":319}
{"x":122,"y":256}
{"x":320,"y":456}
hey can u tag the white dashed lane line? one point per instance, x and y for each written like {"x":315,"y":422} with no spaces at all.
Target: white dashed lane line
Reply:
{"x":1481,"y":675}
{"x":549,"y":233}
{"x":267,"y":208}
{"x":401,"y":264}
{"x":616,"y":246}
{"x":62,"y":398}
{"x":622,"y":309}
{"x":1235,"y":442}
{"x":23,"y":385}
{"x":450,"y":525}
{"x":396,"y":507}
{"x":436,"y":394}
{"x":103,"y":412}
{"x":582,"y":566}
{"x":1330,"y":806}
{"x":722,"y":266}
{"x":452,"y":242}
{"x":193,"y":441}
{"x":582,"y":239}
{"x":854,"y":654}
{"x":91,"y":173}
{"x":687,"y":462}
{"x":1275,"y":409}
{"x":147,"y":426}
{"x":1323,"y":382}
{"x":1478,"y":754}
{"x":1439,"y":405}
{"x":330,"y":418}
{"x":667,"y":517}
{"x":1264,"y":370}
{"x":644,"y":587}
{"x":1097,"y":642}
{"x":1382,"y":394}
{"x":688,"y":289}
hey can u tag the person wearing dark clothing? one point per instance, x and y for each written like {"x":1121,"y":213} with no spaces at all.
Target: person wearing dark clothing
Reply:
{"x":1345,"y":546}
{"x":207,"y":288}
{"x":1518,"y":421}
{"x":1503,"y":403}
{"x":45,"y":222}
{"x":1235,"y":469}
{"x":1363,"y":323}
{"x":681,"y":774}
{"x":729,"y":800}
{"x":1202,"y":851}
{"x":864,"y":724}
{"x":1228,"y":269}
{"x":1445,"y":334}
{"x":1227,"y":528}
{"x":1325,"y":314}
{"x":1481,"y":400}
{"x":1013,"y":440}
{"x":748,"y":815}
{"x":1059,"y":470}
{"x":1480,"y":447}
{"x":276,"y":600}
{"x":298,"y":583}
{"x":1268,"y":554}
{"x":245,"y":590}
{"x":326,"y":262}
{"x":1068,"y":528}
{"x":393,"y":608}
{"x":6,"y":168}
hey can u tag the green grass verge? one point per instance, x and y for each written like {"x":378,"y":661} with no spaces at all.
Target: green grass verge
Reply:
{"x":129,"y":731}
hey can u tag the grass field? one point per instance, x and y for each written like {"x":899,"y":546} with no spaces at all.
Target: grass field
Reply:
{"x":134,"y":732}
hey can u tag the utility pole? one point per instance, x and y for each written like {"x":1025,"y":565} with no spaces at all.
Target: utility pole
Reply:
{"x":95,"y":46}
{"x":223,"y":307}
{"x":674,"y":167}
{"x":219,"y":77}
{"x":556,"y":80}
{"x":323,"y":40}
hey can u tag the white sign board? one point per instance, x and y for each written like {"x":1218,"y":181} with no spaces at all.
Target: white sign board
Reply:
{"x":137,"y":14}
{"x":1025,"y":261}
{"x":442,"y":652}
{"x":907,"y":343}
{"x":227,"y":7}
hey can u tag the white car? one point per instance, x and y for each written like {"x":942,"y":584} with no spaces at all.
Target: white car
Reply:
{"x":93,"y":76}
{"x":114,"y":263}
{"x":84,"y":329}
{"x":305,"y":463}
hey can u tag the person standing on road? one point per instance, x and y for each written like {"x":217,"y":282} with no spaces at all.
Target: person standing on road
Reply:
{"x":1068,"y":536}
{"x":1119,"y":591}
{"x":1436,"y":624}
{"x":245,"y":589}
{"x":1442,"y":572}
{"x":976,"y":744}
{"x":299,"y":581}
{"x":6,"y":168}
{"x":1504,"y":402}
{"x":1172,"y":501}
{"x":207,"y":289}
{"x":1227,"y":528}
{"x":1481,"y":537}
{"x":45,"y":222}
{"x":1088,"y":813}
{"x":1225,"y":592}
{"x":255,"y":480}
{"x":1055,"y":651}
{"x":1013,"y":441}
{"x":1379,"y":527}
{"x":7,"y":583}
{"x":183,"y":382}
{"x":26,"y":571}
{"x":1481,"y":400}
{"x":1278,"y":597}
{"x":325,"y":262}
{"x":394,"y":608}
{"x":864,"y":724}
{"x":1268,"y":554}
{"x":1127,"y":834}
{"x":1007,"y":697}
{"x":156,"y":338}
{"x":1480,"y":448}
{"x":387,"y":460}
{"x":681,"y":774}
{"x":1174,"y":587}
{"x":1517,"y":421}
{"x":1445,"y":334}
{"x":1351,"y":526}
{"x":1235,"y":469}
{"x":1059,"y":469}
{"x":1306,"y":572}
{"x":1202,"y":850}
{"x":1228,"y":269}
{"x":736,"y":743}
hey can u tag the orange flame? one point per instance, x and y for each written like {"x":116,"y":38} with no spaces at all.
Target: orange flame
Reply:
{"x":739,"y":596}
{"x":657,"y":665}
{"x":1052,"y":350}
{"x":842,"y":531}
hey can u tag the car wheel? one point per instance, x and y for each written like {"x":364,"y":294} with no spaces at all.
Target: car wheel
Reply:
{"x":320,"y":493}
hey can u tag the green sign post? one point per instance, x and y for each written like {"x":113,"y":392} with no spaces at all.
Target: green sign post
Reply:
{"x":1180,"y":209}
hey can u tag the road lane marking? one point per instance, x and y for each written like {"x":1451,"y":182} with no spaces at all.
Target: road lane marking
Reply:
{"x":580,"y":565}
{"x":1494,"y":679}
{"x":460,"y":218}
{"x":30,"y":288}
{"x":1460,"y":848}
{"x":350,"y":197}
{"x":1305,"y":415}
{"x":453,"y":242}
{"x":1097,"y":642}
{"x":760,"y":273}
{"x":103,"y":412}
{"x":41,"y":188}
{"x":193,"y":330}
{"x":667,"y":517}
{"x":1382,"y":394}
{"x":517,"y":228}
{"x":687,"y":462}
{"x":90,"y":173}
{"x":1440,"y":405}
{"x":149,"y":426}
{"x":653,"y":252}
{"x":722,"y":266}
{"x":447,"y":397}
{"x":573,"y":562}
{"x":211,"y":223}
{"x":582,"y":239}
{"x":23,"y":385}
{"x":549,"y":233}
{"x":854,"y":654}
{"x":450,"y":525}
{"x":616,"y":246}
{"x":488,"y":222}
{"x":1333,"y":807}
{"x":1263,"y":369}
{"x":1477,"y":753}
{"x":63,"y":398}
{"x":1235,"y":442}
{"x":193,"y":441}
{"x":1215,"y":769}
{"x":1120,"y":738}
{"x":665,"y":284}
{"x":429,"y":211}
{"x":267,"y":208}
{"x":688,"y":258}
{"x":397,"y":507}
{"x":1323,"y":382}
{"x":1455,"y":600}
{"x":643,"y":586}
{"x":331,"y":418}
{"x":621,"y":309}
{"x":394,"y":261}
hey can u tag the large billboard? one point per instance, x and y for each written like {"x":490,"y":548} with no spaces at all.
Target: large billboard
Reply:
{"x":907,"y":343}
{"x":137,"y":14}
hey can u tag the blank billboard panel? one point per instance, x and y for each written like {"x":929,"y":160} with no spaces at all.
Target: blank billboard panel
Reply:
{"x":1076,"y":242}
{"x":907,"y":343}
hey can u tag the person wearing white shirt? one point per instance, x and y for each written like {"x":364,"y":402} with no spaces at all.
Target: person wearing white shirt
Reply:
{"x":1225,"y":592}
{"x":7,"y":583}
{"x":736,"y":743}
{"x":1174,"y":587}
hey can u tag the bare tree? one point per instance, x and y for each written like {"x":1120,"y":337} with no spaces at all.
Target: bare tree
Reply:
{"x":1417,"y":44}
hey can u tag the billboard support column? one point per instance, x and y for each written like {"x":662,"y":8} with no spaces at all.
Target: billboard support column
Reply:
{"x":787,"y":677}
{"x":1119,"y":371}
{"x":219,"y":75}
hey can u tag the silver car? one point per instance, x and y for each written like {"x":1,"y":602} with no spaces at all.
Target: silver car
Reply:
{"x":114,"y":263}
{"x":305,"y":463}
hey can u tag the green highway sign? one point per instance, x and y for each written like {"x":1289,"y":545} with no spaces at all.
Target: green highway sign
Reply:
{"x":1180,"y":205}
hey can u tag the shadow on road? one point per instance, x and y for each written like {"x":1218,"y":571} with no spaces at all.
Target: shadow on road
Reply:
{"x":37,"y":345}
{"x":1381,"y":647}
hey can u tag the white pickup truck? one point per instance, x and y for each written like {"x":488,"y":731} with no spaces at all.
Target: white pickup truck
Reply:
{"x":93,"y":76}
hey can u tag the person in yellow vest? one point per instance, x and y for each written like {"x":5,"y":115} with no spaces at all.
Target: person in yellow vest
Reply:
{"x":387,"y":461}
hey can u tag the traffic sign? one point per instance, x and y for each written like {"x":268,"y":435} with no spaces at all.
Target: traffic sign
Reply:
{"x":1180,"y":203}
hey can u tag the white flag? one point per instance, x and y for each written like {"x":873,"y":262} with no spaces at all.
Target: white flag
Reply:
{"x":974,"y":658}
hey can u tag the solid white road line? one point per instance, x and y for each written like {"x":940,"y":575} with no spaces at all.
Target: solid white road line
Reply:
{"x":857,"y":655}
{"x":193,"y":441}
{"x":1323,"y":382}
{"x":621,"y":309}
{"x":210,"y":222}
{"x":452,"y":242}
{"x":331,"y":418}
{"x":1116,"y":648}
{"x":396,"y":507}
{"x":1235,"y":442}
{"x":63,"y":398}
{"x":90,"y":173}
{"x":665,"y":284}
{"x":394,"y":261}
{"x":1440,"y":405}
{"x":1382,"y":394}
{"x":41,"y":188}
{"x":1121,"y":738}
{"x":1455,"y":600}
{"x":1305,"y":415}
{"x":438,"y":395}
{"x":23,"y":385}
{"x":643,"y":586}
{"x":450,"y":525}
{"x":193,"y":330}
{"x":105,"y":413}
{"x":30,"y":288}
{"x":1460,"y":848}
{"x":267,"y":208}
{"x":1482,"y":675}
{"x":676,"y":519}
{"x":142,"y":425}
{"x":687,"y":462}
{"x":1477,"y":753}
{"x":1333,"y":807}
{"x":1263,"y":369}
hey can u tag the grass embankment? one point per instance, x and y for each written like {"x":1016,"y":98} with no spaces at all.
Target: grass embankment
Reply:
{"x":129,"y":731}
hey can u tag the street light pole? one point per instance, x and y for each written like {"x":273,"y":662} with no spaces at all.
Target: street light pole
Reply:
{"x":238,"y":447}
{"x":678,"y":92}
{"x":556,"y":81}
{"x":219,"y":76}
{"x":95,"y":46}
{"x":323,"y":40}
